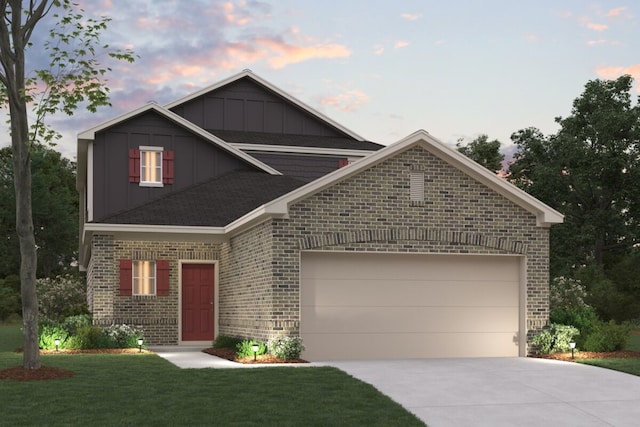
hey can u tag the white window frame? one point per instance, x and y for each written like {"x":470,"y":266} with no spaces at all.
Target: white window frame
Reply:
{"x":145,"y":280}
{"x":143,"y":168}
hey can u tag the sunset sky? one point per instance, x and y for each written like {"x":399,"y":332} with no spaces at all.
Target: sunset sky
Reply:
{"x":381,"y":68}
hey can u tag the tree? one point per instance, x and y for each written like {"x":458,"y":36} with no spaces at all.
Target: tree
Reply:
{"x":483,"y":151}
{"x":588,"y":171}
{"x":55,"y":208}
{"x":73,"y":78}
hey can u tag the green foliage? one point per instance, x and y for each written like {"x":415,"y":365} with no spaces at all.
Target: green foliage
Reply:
{"x":91,"y":336}
{"x":72,"y":323}
{"x":584,"y":319}
{"x":485,"y":152}
{"x":61,"y":296}
{"x":286,"y":347}
{"x":122,"y":336}
{"x":608,"y":337}
{"x":9,"y":303}
{"x":555,"y":338}
{"x":245,"y":348}
{"x":49,"y":333}
{"x":226,"y":341}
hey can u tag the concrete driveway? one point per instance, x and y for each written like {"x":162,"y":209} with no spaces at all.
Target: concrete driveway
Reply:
{"x":504,"y":391}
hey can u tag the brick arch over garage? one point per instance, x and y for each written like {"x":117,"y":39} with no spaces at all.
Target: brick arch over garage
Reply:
{"x":416,"y":234}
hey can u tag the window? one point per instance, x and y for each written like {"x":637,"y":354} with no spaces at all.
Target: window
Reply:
{"x":150,"y":166}
{"x":144,"y":278}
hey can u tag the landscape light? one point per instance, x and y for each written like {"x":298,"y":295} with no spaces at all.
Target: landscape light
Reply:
{"x":255,"y":347}
{"x":57,"y":343}
{"x":573,"y":347}
{"x":140,"y":341}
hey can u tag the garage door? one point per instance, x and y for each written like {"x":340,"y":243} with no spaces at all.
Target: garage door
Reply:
{"x":382,"y":306}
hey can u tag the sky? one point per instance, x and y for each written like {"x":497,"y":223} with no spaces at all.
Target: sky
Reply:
{"x":381,"y":68}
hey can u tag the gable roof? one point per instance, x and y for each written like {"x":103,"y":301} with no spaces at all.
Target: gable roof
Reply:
{"x":89,"y":135}
{"x":213,"y":203}
{"x":545,"y":215}
{"x":257,"y":79}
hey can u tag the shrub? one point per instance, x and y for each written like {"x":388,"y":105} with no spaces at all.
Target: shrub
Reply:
{"x":584,"y":319}
{"x":555,"y":338}
{"x":245,"y":348}
{"x":122,"y":336}
{"x":567,"y":293}
{"x":286,"y":347}
{"x":61,"y":296}
{"x":72,"y":323}
{"x":47,"y":334}
{"x":608,"y":337}
{"x":9,"y":303}
{"x":226,"y":341}
{"x":89,"y":337}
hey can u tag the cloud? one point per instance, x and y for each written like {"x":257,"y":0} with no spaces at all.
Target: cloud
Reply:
{"x":290,"y":53}
{"x":614,"y":72}
{"x":411,"y":16}
{"x":378,"y":50}
{"x":531,"y":38}
{"x":596,"y":42}
{"x":349,"y":100}
{"x":597,"y":27}
{"x":614,"y":13}
{"x":400,"y":44}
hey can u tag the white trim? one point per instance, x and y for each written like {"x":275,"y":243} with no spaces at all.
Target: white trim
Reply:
{"x":264,"y":148}
{"x":89,"y":177}
{"x":215,"y":300}
{"x":280,"y":92}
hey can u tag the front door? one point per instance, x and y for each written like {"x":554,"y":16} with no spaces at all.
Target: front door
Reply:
{"x":197,"y":302}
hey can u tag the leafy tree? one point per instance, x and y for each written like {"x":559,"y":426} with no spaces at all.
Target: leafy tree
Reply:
{"x":588,"y":171}
{"x":73,"y":79}
{"x":55,"y":208}
{"x":485,"y":152}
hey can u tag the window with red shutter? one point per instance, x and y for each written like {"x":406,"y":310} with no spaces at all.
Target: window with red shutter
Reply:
{"x":126,"y":276}
{"x":162,"y":266}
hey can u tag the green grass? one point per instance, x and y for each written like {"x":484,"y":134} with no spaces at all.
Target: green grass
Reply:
{"x":144,"y":389}
{"x":10,"y":337}
{"x":629,"y":365}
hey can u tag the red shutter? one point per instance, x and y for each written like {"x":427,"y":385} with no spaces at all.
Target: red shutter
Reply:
{"x":134,"y":165}
{"x":342,"y":163}
{"x":126,"y":276}
{"x":167,"y":167}
{"x":162,"y":268}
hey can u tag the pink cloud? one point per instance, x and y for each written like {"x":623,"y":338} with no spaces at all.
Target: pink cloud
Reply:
{"x":614,"y":72}
{"x":400,"y":44}
{"x":232,"y":16}
{"x":596,"y":42}
{"x":378,"y":50}
{"x":290,"y":53}
{"x":597,"y":27}
{"x":411,"y":16}
{"x":616,"y":12}
{"x":349,"y":100}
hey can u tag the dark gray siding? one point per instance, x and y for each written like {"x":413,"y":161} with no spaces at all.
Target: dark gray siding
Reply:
{"x":196,"y":160}
{"x":305,"y":168}
{"x":245,"y":105}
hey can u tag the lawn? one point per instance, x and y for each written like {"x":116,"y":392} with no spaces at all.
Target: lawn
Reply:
{"x":144,"y":389}
{"x":629,"y":365}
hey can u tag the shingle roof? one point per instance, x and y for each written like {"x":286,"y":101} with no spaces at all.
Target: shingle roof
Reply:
{"x":214,"y":203}
{"x":265,"y":138}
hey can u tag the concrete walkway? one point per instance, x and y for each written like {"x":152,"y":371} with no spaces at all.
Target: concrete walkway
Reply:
{"x":481,"y":391}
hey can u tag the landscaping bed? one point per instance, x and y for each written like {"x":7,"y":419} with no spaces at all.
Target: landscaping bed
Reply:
{"x":230,"y":354}
{"x":580,"y":355}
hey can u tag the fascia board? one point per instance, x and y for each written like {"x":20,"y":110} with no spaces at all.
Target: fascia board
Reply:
{"x":143,"y":228}
{"x":301,"y":150}
{"x":280,"y":92}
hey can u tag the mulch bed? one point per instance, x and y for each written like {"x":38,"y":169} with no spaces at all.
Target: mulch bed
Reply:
{"x":588,"y":355}
{"x":230,"y":354}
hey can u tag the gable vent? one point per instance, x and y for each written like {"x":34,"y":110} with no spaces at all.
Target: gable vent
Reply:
{"x":416,"y":186}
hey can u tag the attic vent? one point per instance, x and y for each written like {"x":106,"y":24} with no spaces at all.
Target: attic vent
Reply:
{"x":416,"y":186}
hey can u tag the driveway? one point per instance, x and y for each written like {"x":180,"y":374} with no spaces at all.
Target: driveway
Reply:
{"x":504,"y":391}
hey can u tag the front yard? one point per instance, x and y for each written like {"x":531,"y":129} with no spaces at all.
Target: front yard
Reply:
{"x":144,"y":389}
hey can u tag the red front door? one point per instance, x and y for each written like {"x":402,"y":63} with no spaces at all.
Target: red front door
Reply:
{"x":197,"y":302}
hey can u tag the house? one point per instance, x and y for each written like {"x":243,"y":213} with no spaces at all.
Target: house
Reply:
{"x":239,"y":210}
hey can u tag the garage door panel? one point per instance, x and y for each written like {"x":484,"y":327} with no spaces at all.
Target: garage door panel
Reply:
{"x":393,"y":292}
{"x":406,"y":267}
{"x":404,"y":346}
{"x":357,"y":320}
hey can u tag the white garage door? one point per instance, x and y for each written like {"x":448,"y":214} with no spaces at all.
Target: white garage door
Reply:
{"x":382,"y":306}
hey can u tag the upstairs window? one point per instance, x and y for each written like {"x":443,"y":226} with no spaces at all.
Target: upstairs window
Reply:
{"x":150,"y":166}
